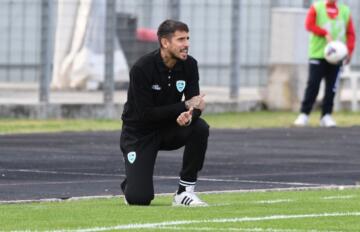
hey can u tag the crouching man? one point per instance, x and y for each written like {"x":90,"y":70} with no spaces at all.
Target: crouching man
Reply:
{"x":156,"y":118}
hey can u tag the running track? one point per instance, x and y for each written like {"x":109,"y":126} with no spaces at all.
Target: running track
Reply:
{"x":65,"y":165}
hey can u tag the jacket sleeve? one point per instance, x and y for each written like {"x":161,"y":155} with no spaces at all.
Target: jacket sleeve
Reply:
{"x":193,"y":88}
{"x":143,"y":99}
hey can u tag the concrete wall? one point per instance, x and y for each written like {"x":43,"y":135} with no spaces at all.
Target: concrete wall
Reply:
{"x":288,"y":59}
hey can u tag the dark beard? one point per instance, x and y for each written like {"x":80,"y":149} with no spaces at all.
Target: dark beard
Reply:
{"x":173,"y":56}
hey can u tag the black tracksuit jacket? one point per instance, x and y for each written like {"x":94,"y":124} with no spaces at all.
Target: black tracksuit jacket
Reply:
{"x":156,"y":94}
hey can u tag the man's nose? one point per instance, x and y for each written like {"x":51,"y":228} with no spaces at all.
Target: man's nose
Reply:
{"x":187,"y":43}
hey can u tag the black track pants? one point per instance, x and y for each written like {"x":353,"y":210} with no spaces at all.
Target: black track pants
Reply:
{"x":319,"y":69}
{"x":140,"y":151}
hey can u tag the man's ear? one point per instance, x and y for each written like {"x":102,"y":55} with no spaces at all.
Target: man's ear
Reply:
{"x":164,"y":42}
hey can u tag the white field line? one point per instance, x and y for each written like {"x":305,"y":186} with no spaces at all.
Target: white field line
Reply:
{"x":156,"y":177}
{"x":275,"y":201}
{"x":167,"y":228}
{"x":339,"y":197}
{"x":58,"y":182}
{"x":320,"y":187}
{"x":329,"y":187}
{"x":307,"y":173}
{"x":223,"y":204}
{"x":258,"y":182}
{"x":216,"y":220}
{"x":170,"y":177}
{"x":60,"y":172}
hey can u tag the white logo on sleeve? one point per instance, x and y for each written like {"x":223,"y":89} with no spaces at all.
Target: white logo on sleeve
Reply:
{"x":180,"y":85}
{"x":131,"y":156}
{"x":156,"y":87}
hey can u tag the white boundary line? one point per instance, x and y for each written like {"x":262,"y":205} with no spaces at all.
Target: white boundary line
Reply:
{"x":215,"y":220}
{"x":156,"y":177}
{"x":338,"y":197}
{"x":121,"y":175}
{"x":256,"y":229}
{"x":329,"y":187}
{"x":257,"y":181}
{"x":159,"y":177}
{"x":61,"y":172}
{"x":58,"y":182}
{"x":275,"y":201}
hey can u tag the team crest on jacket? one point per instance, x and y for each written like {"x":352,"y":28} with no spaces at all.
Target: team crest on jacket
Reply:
{"x":180,"y":85}
{"x":131,"y":156}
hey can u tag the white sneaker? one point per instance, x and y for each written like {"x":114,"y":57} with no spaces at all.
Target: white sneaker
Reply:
{"x":301,"y":120}
{"x":188,"y":198}
{"x":125,"y":201}
{"x":327,"y":121}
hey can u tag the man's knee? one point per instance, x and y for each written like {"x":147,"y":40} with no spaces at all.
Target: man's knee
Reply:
{"x":137,"y":194}
{"x":201,"y":127}
{"x":139,"y":198}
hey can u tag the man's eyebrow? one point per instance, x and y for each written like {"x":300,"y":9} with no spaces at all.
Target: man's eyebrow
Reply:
{"x":184,"y":37}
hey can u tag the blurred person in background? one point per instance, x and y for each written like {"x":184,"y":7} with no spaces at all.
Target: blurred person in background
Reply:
{"x":156,"y":117}
{"x":326,"y":21}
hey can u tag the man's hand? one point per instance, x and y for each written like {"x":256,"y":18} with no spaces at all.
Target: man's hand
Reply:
{"x":347,"y":60}
{"x":328,"y":37}
{"x":196,"y":102}
{"x":184,"y":118}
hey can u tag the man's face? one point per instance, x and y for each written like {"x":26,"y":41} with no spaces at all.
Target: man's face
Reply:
{"x":178,"y":45}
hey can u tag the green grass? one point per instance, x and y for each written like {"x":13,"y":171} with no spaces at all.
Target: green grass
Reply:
{"x":267,"y":119}
{"x":9,"y":126}
{"x":262,"y":119}
{"x":255,"y":211}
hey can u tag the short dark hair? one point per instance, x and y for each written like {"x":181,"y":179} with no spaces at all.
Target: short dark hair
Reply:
{"x":168,"y":28}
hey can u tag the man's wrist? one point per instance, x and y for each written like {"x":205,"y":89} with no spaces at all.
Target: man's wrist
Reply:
{"x":187,"y":105}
